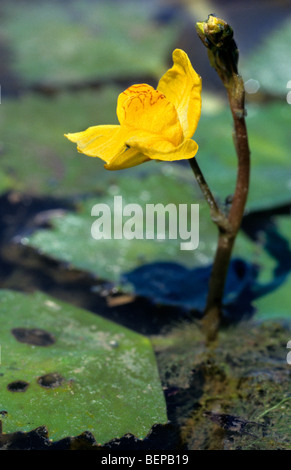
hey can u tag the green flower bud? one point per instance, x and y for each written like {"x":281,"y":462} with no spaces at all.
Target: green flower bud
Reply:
{"x":215,"y":31}
{"x":217,"y":36}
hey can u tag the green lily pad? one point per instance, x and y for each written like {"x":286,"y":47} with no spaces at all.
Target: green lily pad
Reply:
{"x":267,"y":63}
{"x":71,"y":241}
{"x":270,"y":143}
{"x":37,"y":158}
{"x":86,"y":41}
{"x":74,"y":371}
{"x":275,"y":303}
{"x":5,"y":182}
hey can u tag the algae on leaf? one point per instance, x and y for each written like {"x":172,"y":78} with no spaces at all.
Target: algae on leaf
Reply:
{"x":72,"y":371}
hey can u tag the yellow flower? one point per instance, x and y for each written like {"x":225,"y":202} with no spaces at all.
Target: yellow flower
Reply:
{"x":154,"y":124}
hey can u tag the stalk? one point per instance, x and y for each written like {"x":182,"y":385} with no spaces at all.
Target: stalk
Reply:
{"x":217,"y":36}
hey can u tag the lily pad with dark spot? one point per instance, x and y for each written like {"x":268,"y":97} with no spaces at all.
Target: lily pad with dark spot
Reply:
{"x":80,"y":382}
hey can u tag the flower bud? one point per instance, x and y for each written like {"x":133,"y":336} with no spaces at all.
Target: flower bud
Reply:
{"x":215,"y":31}
{"x":217,"y":36}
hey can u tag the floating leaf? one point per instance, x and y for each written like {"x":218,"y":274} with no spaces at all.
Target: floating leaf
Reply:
{"x":274,"y":301}
{"x":159,"y":269}
{"x":74,"y":371}
{"x":36,"y":156}
{"x":71,"y":241}
{"x":116,"y":260}
{"x":86,"y":41}
{"x":270,"y":143}
{"x":267,"y":63}
{"x":6,"y":181}
{"x":274,"y":304}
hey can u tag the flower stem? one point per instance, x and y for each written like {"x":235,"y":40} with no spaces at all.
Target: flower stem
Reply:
{"x":236,"y":97}
{"x":213,"y":311}
{"x":217,"y":215}
{"x":217,"y":36}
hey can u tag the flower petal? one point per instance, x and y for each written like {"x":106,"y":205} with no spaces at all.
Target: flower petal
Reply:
{"x":154,"y":124}
{"x":142,"y":108}
{"x":105,"y":142}
{"x":162,"y":150}
{"x":182,"y":87}
{"x":127,"y":159}
{"x":130,"y":92}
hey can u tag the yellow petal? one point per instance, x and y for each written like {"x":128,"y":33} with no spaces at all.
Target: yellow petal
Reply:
{"x":142,"y":108}
{"x":105,"y":142}
{"x":182,"y":87}
{"x":127,"y":159}
{"x":154,"y":124}
{"x":158,"y":149}
{"x":133,"y":90}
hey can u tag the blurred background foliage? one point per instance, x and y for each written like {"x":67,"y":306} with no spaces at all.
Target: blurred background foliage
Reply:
{"x":64,"y":64}
{"x":62,"y":67}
